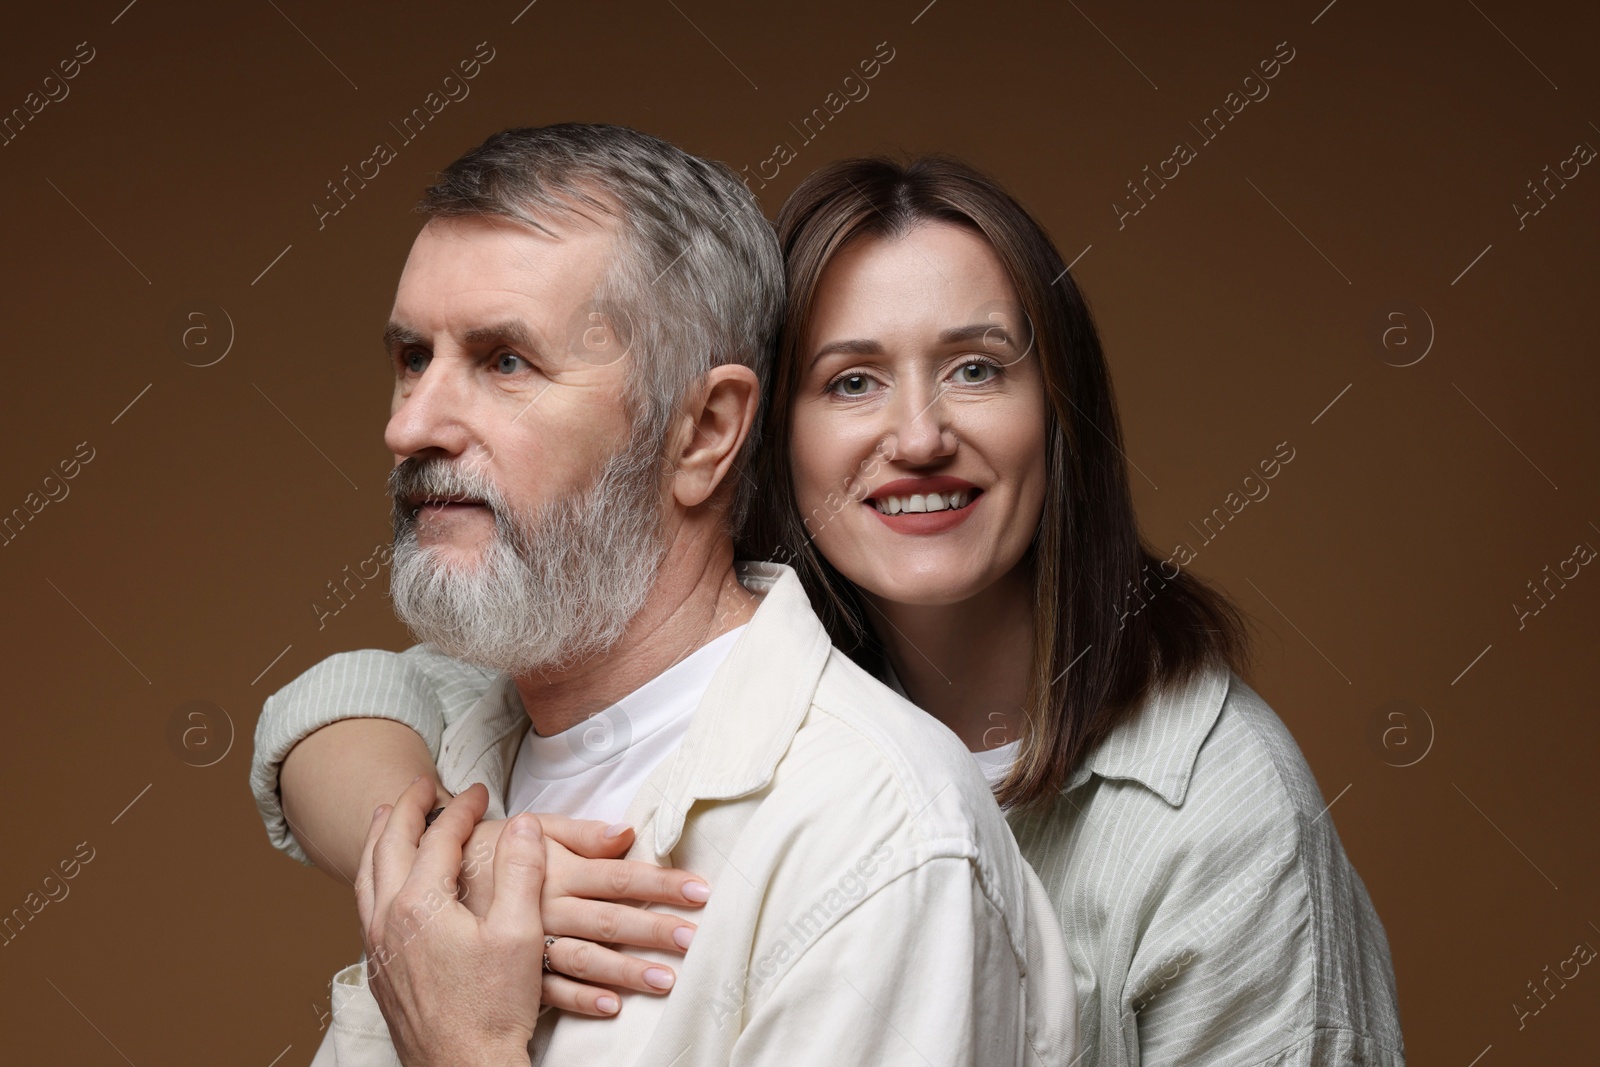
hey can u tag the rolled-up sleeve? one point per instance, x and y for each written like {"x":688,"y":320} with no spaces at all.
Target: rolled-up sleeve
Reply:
{"x":1232,"y":960}
{"x":419,"y":687}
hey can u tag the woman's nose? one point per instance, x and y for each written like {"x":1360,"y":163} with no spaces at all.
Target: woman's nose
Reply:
{"x":921,"y":433}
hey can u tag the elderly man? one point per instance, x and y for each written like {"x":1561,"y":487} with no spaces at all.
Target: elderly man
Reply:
{"x":578,"y":340}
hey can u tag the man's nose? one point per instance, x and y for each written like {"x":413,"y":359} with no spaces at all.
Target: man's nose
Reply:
{"x":433,"y":416}
{"x":921,"y":433}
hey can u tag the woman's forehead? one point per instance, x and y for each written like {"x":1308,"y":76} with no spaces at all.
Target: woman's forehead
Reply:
{"x":935,"y":280}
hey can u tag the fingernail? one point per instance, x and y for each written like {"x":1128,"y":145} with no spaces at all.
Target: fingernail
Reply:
{"x":659,"y":977}
{"x":683,"y":935}
{"x":608,"y":1005}
{"x":698,"y":892}
{"x":617,"y":829}
{"x":377,"y":811}
{"x":525,"y":826}
{"x":417,"y":779}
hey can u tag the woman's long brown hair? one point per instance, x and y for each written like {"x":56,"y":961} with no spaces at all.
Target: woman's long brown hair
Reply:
{"x":1113,"y":619}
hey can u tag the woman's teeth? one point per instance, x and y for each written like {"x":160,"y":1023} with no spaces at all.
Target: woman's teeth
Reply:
{"x":918,"y":503}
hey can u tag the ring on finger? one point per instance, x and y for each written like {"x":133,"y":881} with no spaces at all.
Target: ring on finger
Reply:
{"x":548,"y":941}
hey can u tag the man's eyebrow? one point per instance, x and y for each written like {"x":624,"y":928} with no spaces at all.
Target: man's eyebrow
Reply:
{"x":397,"y":334}
{"x":510,"y":331}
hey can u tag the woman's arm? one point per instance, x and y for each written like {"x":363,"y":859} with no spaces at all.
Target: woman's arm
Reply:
{"x":332,"y":780}
{"x":360,"y":728}
{"x":419,"y":689}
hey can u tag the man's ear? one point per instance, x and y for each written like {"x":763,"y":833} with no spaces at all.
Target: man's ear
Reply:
{"x":711,"y":431}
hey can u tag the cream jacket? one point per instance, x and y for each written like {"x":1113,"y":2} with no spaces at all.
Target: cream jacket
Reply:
{"x":869,"y":904}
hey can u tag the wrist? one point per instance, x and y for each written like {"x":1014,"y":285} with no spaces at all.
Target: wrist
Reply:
{"x":502,"y":1054}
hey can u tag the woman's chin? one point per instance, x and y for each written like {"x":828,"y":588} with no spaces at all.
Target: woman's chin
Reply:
{"x":924,"y":589}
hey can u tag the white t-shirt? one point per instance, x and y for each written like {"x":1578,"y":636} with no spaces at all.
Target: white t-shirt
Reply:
{"x":592,"y":770}
{"x":995,"y":763}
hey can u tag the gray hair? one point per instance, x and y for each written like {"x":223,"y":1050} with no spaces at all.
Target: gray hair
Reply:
{"x":698,"y":278}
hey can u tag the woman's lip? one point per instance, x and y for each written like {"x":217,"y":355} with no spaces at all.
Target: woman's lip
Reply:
{"x":924,"y":486}
{"x":925,"y":522}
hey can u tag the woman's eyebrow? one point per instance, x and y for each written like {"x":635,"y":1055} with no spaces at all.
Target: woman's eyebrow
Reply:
{"x":991,"y":332}
{"x":857,"y":347}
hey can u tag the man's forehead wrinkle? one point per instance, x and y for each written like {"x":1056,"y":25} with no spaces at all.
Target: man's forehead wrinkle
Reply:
{"x":482,"y":290}
{"x":600,"y":226}
{"x":520,"y":254}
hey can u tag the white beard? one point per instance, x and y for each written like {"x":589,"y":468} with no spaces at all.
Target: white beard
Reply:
{"x":552,"y":588}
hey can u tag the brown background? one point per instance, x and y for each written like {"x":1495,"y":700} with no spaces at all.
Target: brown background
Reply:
{"x":1248,"y":297}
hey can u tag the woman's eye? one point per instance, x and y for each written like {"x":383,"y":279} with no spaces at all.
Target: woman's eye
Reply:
{"x":975,"y":373}
{"x":500,"y":364}
{"x":852,"y":385}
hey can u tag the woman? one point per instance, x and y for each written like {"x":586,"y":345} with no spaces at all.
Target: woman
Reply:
{"x":945,"y":473}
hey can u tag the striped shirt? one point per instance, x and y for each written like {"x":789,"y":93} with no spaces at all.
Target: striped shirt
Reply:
{"x":1210,"y":910}
{"x":1211,"y":914}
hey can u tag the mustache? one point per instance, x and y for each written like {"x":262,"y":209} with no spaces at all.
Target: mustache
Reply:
{"x":413,"y":477}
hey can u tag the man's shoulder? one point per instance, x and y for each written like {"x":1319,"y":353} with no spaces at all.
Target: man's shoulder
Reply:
{"x":874,"y":737}
{"x":855,"y":700}
{"x":870,"y":777}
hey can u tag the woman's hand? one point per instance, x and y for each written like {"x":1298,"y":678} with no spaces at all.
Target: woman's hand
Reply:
{"x":584,"y":878}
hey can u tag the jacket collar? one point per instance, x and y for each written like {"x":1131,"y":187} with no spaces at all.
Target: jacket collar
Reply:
{"x":1157,"y":746}
{"x":740,"y":730}
{"x":754,"y":705}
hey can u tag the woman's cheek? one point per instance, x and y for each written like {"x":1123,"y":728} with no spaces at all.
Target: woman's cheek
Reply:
{"x":1035,"y":476}
{"x":810,"y":463}
{"x":832,"y":471}
{"x":803,"y":461}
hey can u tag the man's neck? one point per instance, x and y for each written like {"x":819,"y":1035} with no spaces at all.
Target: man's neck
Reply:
{"x":696,"y":597}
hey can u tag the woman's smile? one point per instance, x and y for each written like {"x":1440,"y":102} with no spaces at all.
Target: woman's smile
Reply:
{"x":924,"y":505}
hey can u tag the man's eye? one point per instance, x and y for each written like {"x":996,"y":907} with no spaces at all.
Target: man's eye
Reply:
{"x":976,"y":372}
{"x":414,"y":361}
{"x":500,"y":363}
{"x":852,"y":385}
